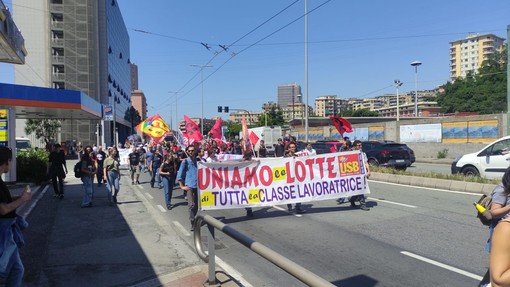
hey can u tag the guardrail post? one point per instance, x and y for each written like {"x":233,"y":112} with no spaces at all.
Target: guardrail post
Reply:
{"x":211,"y":253}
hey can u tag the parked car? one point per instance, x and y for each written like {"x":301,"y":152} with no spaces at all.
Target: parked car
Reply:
{"x":390,"y":154}
{"x":23,"y":144}
{"x":490,"y":162}
{"x":332,"y":145}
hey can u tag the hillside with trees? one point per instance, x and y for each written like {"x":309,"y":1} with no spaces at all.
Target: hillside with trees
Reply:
{"x":484,"y":92}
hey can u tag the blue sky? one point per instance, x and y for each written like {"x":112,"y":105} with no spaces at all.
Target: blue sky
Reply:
{"x":356,"y":48}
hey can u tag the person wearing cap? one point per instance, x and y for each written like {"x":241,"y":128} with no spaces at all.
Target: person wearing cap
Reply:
{"x":55,"y":170}
{"x":279,"y":148}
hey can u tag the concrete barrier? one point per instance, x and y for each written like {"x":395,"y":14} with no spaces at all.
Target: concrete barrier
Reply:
{"x":454,"y":185}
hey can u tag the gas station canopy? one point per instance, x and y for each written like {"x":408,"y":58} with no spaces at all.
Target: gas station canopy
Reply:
{"x":44,"y":103}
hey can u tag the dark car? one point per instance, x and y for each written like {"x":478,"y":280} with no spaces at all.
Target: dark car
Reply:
{"x":390,"y":154}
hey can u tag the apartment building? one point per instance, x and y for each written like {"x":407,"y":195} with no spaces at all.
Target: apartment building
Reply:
{"x":467,"y":55}
{"x":289,"y":94}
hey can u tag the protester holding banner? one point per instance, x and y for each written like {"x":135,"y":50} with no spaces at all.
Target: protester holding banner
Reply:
{"x":291,"y":150}
{"x":247,"y":156}
{"x":188,"y":181}
{"x":262,"y":152}
{"x":361,"y":197}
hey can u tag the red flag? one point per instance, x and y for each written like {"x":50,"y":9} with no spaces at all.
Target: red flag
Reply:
{"x":216,"y":130}
{"x":192,"y":131}
{"x":342,"y":125}
{"x":254,"y":139}
{"x":246,"y":135}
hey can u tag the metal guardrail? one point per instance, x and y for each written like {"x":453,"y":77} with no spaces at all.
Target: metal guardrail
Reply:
{"x":294,"y":269}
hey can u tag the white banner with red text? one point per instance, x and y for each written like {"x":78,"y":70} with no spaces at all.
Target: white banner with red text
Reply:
{"x":273,"y":181}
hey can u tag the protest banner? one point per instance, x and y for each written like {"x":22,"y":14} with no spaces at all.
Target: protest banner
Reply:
{"x":273,"y":181}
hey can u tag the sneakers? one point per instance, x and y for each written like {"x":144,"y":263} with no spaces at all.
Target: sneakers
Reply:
{"x":169,"y":207}
{"x":133,"y":182}
{"x":340,"y":200}
{"x":300,"y":211}
{"x":364,"y":207}
{"x":137,"y":182}
{"x":86,"y":205}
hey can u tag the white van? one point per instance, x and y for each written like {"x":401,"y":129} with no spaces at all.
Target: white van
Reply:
{"x":490,"y":162}
{"x":23,"y":144}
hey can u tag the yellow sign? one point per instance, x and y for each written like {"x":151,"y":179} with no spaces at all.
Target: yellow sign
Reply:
{"x":253,"y":196}
{"x":279,"y":173}
{"x":206,"y":198}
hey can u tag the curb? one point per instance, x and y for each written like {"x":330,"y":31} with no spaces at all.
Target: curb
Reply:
{"x":454,"y":185}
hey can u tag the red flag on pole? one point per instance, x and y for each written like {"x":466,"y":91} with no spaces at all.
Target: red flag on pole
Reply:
{"x":246,"y":135}
{"x":254,"y":138}
{"x":192,"y":131}
{"x":342,"y":125}
{"x":216,"y":130}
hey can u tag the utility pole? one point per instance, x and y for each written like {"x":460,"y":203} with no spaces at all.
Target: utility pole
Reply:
{"x":202,"y":83}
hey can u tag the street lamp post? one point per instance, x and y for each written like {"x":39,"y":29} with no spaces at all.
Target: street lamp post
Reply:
{"x":415,"y":64}
{"x":306,"y":70}
{"x":202,"y":83}
{"x":398,"y":83}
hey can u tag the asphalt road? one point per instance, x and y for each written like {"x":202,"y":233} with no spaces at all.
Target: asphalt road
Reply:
{"x":410,"y":237}
{"x":419,"y":167}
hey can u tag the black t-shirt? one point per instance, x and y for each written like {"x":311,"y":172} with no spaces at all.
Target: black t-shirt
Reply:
{"x":57,"y":160}
{"x":156,"y":160}
{"x":5,"y":197}
{"x":279,"y":150}
{"x":134,"y":158}
{"x":169,"y":167}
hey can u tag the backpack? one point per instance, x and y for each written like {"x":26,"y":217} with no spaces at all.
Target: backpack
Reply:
{"x":485,"y":217}
{"x":77,"y":169}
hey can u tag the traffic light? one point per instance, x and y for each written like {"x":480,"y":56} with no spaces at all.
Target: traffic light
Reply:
{"x":225,"y":109}
{"x":220,"y":109}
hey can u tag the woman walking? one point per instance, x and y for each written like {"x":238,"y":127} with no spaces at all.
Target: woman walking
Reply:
{"x":112,"y":175}
{"x":168,"y":172}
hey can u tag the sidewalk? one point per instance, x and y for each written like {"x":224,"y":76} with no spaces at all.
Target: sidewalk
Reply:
{"x":128,"y":244}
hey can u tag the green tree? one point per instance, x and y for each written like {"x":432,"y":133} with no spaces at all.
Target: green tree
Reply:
{"x":358,"y":113}
{"x":274,"y":118}
{"x":484,"y":92}
{"x":133,"y":116}
{"x":233,"y":130}
{"x":46,"y":129}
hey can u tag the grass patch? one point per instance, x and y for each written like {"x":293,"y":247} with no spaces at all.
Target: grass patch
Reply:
{"x":458,"y":177}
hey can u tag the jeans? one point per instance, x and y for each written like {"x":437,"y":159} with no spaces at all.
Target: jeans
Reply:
{"x":87,"y":187}
{"x":155,"y":172}
{"x":112,"y":182}
{"x":168,"y":184}
{"x":15,"y":277}
{"x":192,"y":204}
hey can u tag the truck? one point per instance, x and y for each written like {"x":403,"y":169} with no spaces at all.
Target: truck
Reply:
{"x":270,"y":135}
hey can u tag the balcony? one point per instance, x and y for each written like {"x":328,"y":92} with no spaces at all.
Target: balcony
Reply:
{"x":58,"y":76}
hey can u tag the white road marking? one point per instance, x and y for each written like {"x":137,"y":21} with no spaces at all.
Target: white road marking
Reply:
{"x":442,"y":265}
{"x":430,"y":188}
{"x":33,"y":202}
{"x":140,"y":187}
{"x":179,"y":226}
{"x":286,"y":210}
{"x":232,"y":272}
{"x":392,"y":202}
{"x":161,"y":208}
{"x":148,"y":195}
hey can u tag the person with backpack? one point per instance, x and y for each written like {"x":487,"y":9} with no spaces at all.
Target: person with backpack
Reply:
{"x":168,"y":172}
{"x":112,"y":175}
{"x":87,"y":172}
{"x":500,"y":211}
{"x":56,"y":166}
{"x":187,"y":178}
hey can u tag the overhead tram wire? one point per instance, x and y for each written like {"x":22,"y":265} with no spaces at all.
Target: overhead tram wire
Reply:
{"x":224,"y":50}
{"x":262,"y":39}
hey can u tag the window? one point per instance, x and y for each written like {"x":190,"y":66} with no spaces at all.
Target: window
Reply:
{"x":57,"y":2}
{"x":59,"y":85}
